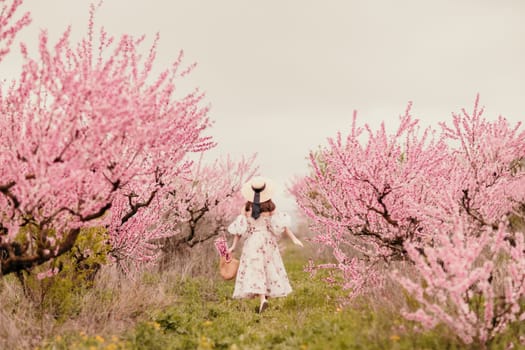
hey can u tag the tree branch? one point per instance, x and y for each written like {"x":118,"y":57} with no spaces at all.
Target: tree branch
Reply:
{"x":136,"y":207}
{"x":5,"y":189}
{"x":16,"y":261}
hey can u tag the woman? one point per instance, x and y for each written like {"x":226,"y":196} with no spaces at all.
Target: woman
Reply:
{"x":261,"y":269}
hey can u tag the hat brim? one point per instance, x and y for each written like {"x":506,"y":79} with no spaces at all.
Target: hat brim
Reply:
{"x":248,"y":193}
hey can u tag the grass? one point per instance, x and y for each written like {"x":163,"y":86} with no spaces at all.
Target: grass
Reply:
{"x":170,"y":311}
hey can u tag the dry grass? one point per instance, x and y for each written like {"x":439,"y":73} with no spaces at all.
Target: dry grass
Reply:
{"x":16,"y":317}
{"x":116,"y":303}
{"x":200,"y":260}
{"x":111,"y":307}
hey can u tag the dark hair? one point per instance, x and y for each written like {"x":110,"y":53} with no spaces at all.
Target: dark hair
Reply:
{"x":267,"y":206}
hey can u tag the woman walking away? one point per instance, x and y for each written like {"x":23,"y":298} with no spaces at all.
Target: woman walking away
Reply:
{"x":261,"y":269}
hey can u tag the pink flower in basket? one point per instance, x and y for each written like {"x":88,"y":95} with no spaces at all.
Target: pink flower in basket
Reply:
{"x":222,"y":247}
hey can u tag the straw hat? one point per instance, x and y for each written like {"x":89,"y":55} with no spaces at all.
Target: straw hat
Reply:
{"x":256,"y":183}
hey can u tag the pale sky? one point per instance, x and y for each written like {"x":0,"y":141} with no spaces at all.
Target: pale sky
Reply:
{"x":283,"y":75}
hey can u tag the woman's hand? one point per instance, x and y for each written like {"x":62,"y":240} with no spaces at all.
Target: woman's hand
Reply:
{"x":297,"y":242}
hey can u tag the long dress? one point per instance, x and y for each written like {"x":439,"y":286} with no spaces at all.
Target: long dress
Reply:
{"x":261,"y":268}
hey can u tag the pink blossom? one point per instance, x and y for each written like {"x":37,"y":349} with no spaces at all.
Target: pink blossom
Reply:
{"x":87,"y":131}
{"x":9,"y":27}
{"x":200,"y":193}
{"x":47,"y":274}
{"x":437,"y":199}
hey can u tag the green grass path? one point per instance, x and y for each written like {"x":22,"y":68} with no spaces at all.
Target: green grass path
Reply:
{"x":204,"y":316}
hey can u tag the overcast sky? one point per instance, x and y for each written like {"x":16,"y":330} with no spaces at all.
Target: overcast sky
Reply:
{"x":283,"y":75}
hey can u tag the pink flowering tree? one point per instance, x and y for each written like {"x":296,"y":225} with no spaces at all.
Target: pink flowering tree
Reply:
{"x":472,"y":277}
{"x":441,"y":202}
{"x":9,"y":26}
{"x":206,"y":201}
{"x":194,"y":210}
{"x":360,"y":196}
{"x":84,"y":127}
{"x":137,"y":225}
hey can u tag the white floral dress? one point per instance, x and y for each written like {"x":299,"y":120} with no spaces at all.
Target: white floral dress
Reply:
{"x":261,"y":268}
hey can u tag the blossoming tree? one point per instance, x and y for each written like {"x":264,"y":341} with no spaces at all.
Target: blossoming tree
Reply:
{"x":472,"y":277}
{"x":193,"y":211}
{"x":85,"y":126}
{"x":360,"y":197}
{"x":441,"y":202}
{"x":211,"y":194}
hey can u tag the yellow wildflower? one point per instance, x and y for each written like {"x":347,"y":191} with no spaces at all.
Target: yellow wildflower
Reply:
{"x":395,"y":337}
{"x":205,"y":343}
{"x":99,"y":339}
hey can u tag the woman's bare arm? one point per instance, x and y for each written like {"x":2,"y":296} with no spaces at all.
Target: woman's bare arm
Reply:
{"x":294,"y":239}
{"x":234,"y":244}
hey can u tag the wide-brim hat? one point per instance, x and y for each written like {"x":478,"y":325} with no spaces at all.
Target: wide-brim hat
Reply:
{"x":258,"y":182}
